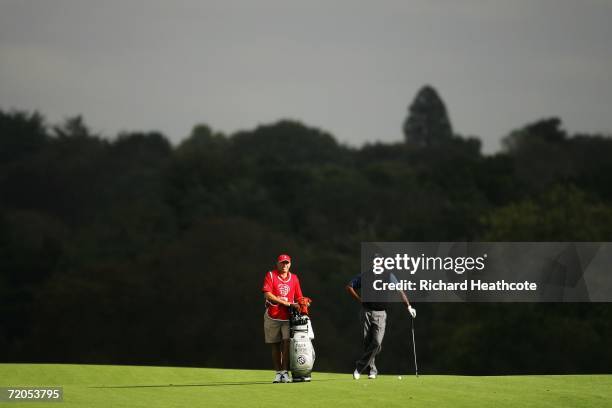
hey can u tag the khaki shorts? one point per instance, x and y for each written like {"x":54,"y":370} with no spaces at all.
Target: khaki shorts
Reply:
{"x":275,"y":330}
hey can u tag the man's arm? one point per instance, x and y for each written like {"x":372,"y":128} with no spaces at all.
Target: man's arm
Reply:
{"x":351,"y":291}
{"x":272,"y":298}
{"x":402,"y":294}
{"x":298,"y":289}
{"x":353,"y":284}
{"x":404,"y":298}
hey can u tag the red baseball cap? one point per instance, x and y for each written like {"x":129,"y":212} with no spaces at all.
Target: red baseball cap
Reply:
{"x":284,"y":258}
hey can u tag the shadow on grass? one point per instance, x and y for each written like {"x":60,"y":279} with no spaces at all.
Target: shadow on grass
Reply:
{"x":214,"y":384}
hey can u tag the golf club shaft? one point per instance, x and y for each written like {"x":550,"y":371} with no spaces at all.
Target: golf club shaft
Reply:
{"x":416,"y":368}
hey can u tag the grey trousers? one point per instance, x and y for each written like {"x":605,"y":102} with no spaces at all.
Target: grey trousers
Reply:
{"x":374,"y":323}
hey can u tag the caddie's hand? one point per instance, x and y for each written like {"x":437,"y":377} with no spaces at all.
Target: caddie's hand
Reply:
{"x":412,"y":311}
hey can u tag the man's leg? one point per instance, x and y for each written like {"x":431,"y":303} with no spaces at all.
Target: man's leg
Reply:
{"x":273,"y":336}
{"x":377,"y":334}
{"x":374,"y":331}
{"x":366,"y":322}
{"x":285,"y":357}
{"x":276,"y":356}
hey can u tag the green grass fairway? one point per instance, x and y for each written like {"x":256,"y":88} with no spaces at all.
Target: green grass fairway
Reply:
{"x":132,"y":386}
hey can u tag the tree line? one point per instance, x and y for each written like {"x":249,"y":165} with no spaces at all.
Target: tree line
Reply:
{"x":132,"y":250}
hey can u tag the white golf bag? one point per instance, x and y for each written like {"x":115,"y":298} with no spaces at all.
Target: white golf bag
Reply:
{"x":301,"y":351}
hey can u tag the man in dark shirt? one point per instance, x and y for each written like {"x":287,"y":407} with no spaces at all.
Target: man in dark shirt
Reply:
{"x":374,"y":320}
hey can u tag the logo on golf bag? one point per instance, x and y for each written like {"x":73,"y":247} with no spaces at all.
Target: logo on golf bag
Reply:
{"x":283,"y":289}
{"x":301,"y":360}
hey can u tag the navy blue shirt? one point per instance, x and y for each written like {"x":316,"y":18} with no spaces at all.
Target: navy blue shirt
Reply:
{"x":355,"y":283}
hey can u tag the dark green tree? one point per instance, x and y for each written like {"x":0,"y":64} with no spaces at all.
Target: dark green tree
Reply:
{"x":560,"y":214}
{"x":427,"y":123}
{"x":21,"y":134}
{"x":545,"y":131}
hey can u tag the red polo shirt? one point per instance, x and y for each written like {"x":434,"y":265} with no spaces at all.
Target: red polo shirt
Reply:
{"x":287,"y":289}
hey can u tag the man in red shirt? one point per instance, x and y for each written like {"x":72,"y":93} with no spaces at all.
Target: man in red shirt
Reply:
{"x":282,"y":290}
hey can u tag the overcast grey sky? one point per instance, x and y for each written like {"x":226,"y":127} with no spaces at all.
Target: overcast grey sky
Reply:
{"x":349,"y":67}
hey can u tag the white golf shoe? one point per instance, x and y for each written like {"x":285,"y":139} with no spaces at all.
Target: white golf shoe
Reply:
{"x":356,"y":374}
{"x":277,"y":377}
{"x":285,"y":377}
